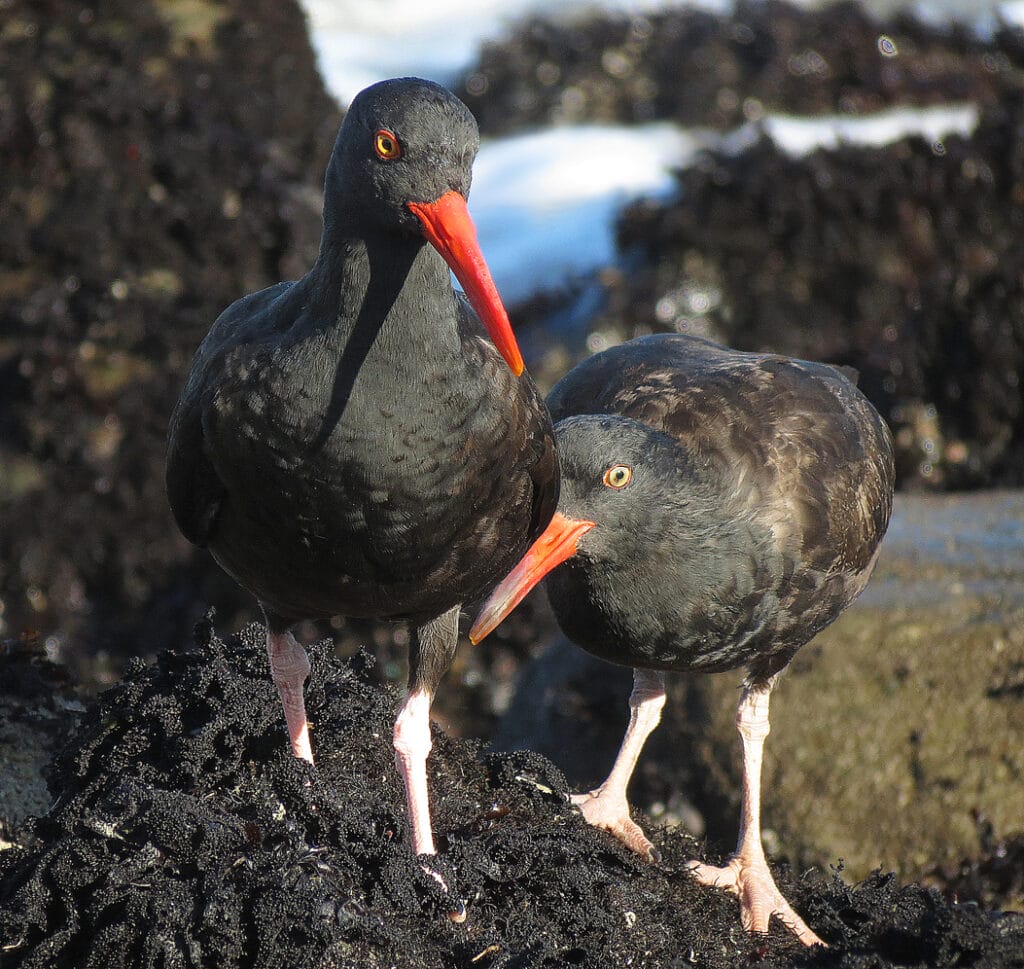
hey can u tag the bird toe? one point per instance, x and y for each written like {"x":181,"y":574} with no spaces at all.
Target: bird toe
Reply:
{"x":758,"y":895}
{"x":612,"y":815}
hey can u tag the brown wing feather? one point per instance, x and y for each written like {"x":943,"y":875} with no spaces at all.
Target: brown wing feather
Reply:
{"x":794,"y":445}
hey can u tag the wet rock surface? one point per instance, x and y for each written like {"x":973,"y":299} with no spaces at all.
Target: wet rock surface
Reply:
{"x":184,"y":833}
{"x":39,"y":709}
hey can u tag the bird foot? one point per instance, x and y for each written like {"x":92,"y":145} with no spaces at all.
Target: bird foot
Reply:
{"x":457,"y":911}
{"x":760,"y":898}
{"x":611,"y":814}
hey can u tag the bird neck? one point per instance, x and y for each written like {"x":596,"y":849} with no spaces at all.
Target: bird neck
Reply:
{"x":381,"y":287}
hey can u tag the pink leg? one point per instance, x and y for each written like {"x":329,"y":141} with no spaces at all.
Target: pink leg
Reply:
{"x":412,"y":746}
{"x":607,"y":807}
{"x":747,"y":875}
{"x":289,"y":667}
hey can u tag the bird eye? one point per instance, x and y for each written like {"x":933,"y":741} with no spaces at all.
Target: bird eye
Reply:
{"x":618,"y":476}
{"x":386,"y":145}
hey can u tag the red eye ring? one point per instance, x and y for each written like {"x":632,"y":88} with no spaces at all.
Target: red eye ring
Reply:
{"x":618,"y":476}
{"x":386,"y":145}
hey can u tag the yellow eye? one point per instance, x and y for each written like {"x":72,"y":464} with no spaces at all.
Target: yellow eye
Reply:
{"x":386,"y":145}
{"x":618,"y":476}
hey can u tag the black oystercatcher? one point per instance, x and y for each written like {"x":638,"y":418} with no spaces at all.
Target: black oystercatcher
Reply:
{"x":717,"y":510}
{"x":353,"y":443}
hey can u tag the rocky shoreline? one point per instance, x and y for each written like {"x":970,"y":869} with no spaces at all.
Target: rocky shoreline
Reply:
{"x":163,"y":159}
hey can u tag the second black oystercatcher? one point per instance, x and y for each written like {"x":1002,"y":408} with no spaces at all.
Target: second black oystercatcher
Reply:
{"x":718,"y":509}
{"x":354,"y":443}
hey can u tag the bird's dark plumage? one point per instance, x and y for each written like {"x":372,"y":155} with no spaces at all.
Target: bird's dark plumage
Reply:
{"x":355,"y":442}
{"x":717,"y":510}
{"x":762,"y":487}
{"x":336,"y":434}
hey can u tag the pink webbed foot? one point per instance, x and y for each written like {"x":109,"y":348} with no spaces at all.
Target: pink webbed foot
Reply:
{"x":759,"y":897}
{"x":746,"y":875}
{"x":611,"y":814}
{"x":606,"y":807}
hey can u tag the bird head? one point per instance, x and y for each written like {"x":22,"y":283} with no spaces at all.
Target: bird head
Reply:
{"x":616,"y":492}
{"x":403,"y":163}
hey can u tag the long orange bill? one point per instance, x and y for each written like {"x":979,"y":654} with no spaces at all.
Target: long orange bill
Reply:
{"x":450,"y":230}
{"x":555,"y":545}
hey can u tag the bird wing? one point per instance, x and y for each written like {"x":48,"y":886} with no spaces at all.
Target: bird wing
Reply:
{"x":795,"y":441}
{"x":195,"y":489}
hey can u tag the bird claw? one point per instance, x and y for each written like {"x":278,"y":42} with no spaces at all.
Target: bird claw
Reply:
{"x":612,"y":815}
{"x":758,"y":895}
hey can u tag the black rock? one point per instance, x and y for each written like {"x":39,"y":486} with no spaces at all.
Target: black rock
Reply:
{"x":185,"y":834}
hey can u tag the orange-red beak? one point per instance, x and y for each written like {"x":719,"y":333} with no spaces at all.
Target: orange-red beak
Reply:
{"x":555,"y":545}
{"x":450,"y":230}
